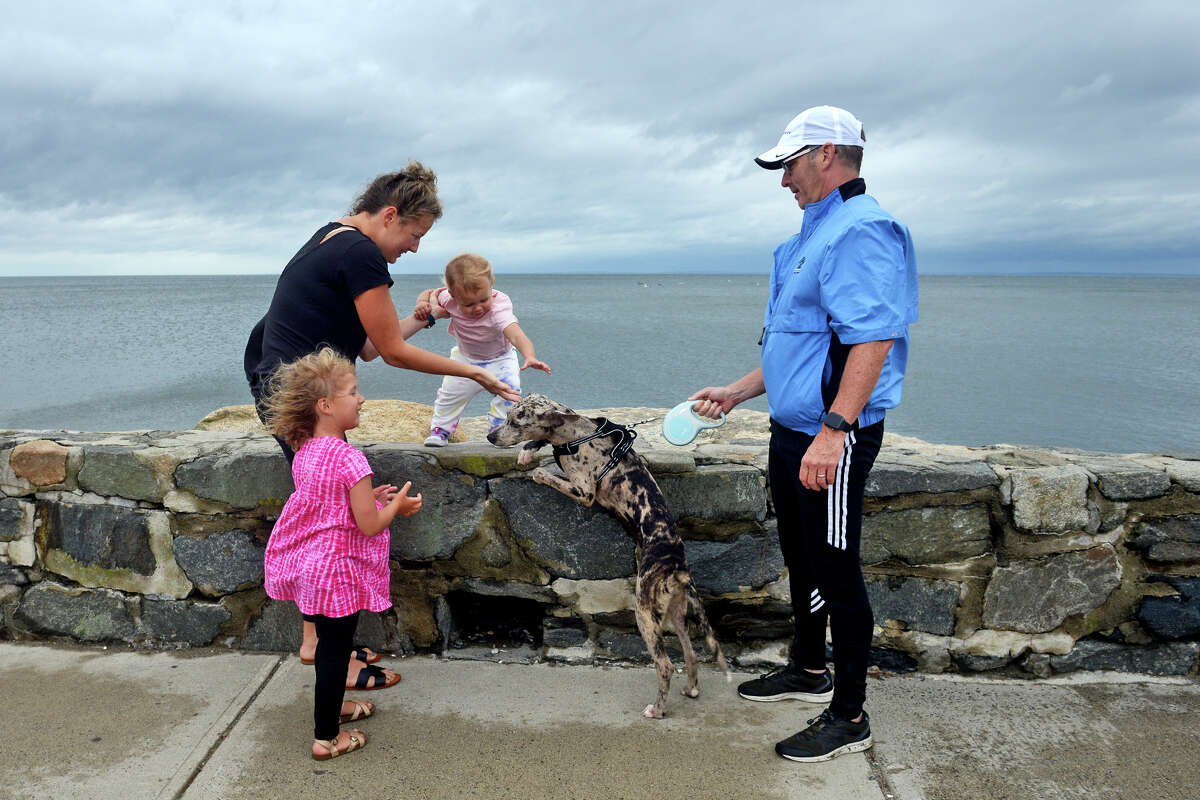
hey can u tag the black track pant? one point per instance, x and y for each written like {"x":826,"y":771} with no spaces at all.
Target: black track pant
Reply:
{"x":819,"y":533}
{"x":335,"y":637}
{"x":258,"y":392}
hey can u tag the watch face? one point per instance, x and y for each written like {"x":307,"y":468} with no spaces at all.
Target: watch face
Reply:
{"x":837,"y":422}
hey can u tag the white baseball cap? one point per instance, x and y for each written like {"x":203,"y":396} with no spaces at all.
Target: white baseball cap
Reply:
{"x":814,"y":126}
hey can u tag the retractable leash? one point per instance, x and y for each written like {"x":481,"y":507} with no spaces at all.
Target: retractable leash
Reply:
{"x":681,"y":424}
{"x":606,"y":427}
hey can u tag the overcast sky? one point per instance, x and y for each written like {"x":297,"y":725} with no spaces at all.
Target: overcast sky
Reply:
{"x":215,"y":137}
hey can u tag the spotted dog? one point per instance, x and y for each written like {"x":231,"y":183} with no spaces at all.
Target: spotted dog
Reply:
{"x":600,"y":467}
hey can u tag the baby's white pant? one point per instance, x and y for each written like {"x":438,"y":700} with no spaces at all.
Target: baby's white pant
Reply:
{"x":455,"y":392}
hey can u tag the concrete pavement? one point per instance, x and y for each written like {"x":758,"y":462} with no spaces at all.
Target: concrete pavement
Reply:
{"x":95,"y":723}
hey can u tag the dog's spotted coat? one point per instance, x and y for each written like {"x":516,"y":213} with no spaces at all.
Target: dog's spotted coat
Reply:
{"x":664,"y":586}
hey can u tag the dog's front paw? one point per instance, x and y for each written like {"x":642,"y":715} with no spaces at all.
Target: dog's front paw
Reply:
{"x":525,"y":457}
{"x":653,"y":712}
{"x":542,"y":476}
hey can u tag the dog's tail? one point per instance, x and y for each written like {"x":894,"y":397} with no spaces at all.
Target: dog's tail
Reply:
{"x":705,"y":628}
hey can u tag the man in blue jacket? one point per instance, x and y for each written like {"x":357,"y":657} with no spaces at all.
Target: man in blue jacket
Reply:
{"x":834,"y":350}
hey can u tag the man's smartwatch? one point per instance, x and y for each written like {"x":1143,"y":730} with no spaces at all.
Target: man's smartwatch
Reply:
{"x":837,"y":422}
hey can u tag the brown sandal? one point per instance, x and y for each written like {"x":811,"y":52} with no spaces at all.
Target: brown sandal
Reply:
{"x":373,"y":677}
{"x":358,"y":739}
{"x":361,"y":711}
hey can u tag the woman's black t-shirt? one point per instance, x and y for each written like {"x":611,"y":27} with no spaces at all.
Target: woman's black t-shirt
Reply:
{"x":313,"y":304}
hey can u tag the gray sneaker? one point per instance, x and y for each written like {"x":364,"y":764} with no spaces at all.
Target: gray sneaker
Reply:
{"x":437,"y":439}
{"x":787,"y":683}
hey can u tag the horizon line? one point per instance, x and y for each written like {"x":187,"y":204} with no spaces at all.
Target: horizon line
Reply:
{"x":938,"y":273}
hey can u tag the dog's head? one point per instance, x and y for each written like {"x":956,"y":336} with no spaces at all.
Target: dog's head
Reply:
{"x":535,"y":418}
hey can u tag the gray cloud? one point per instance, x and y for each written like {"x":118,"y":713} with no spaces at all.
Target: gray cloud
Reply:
{"x":162,"y":137}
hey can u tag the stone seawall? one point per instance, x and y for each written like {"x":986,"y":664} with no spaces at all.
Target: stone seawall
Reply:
{"x":1026,"y":560}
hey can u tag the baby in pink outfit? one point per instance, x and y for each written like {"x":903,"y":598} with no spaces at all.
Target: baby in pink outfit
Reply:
{"x":487,"y":335}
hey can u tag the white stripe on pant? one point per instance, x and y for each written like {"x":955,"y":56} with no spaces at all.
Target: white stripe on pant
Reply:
{"x":835,"y":517}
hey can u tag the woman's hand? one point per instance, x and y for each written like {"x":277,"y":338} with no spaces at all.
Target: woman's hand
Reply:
{"x":427,"y":304}
{"x":496,"y":386}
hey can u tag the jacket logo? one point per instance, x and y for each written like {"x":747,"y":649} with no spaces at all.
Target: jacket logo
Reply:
{"x":801,"y":264}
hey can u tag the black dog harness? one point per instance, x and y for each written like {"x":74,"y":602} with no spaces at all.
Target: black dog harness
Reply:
{"x":605,"y":427}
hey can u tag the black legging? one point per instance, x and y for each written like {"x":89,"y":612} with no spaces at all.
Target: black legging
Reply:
{"x":335,"y":637}
{"x":819,"y":533}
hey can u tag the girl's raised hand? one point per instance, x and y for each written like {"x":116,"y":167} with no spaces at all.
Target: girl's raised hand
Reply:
{"x":383,"y":494}
{"x":533,"y":362}
{"x":403,"y":503}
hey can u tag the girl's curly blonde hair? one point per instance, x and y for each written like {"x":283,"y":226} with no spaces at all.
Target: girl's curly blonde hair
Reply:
{"x":295,"y":388}
{"x":468,"y":271}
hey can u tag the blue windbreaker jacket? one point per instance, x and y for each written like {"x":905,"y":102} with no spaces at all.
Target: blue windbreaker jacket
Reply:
{"x":849,"y":276}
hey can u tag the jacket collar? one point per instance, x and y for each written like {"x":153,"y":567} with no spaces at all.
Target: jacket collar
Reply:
{"x":815,"y":212}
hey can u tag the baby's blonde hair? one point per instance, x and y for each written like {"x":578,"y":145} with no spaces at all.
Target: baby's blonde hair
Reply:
{"x":295,"y":388}
{"x":467,"y":270}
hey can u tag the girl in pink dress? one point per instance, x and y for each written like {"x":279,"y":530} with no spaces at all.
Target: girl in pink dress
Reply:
{"x":329,"y":549}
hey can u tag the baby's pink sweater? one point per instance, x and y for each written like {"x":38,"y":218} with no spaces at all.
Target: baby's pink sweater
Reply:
{"x":482,"y":338}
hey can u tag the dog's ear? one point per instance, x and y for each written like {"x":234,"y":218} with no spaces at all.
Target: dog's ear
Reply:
{"x":557,"y":419}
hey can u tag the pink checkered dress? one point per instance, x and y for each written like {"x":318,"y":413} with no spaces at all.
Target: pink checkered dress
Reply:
{"x":317,"y":556}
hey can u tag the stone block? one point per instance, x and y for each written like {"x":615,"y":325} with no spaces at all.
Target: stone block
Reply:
{"x":481,"y":459}
{"x":109,"y":537}
{"x":277,"y":629}
{"x":16,"y":519}
{"x":931,"y":535}
{"x":668,"y":462}
{"x":748,"y":562}
{"x":221,"y":563}
{"x":631,"y":647}
{"x":196,"y":624}
{"x":11,"y":576}
{"x":968,"y":662}
{"x":562,"y":633}
{"x":889,"y":660}
{"x":921,"y":604}
{"x":12,"y":484}
{"x":568,"y":539}
{"x":115,"y":547}
{"x":768,"y":654}
{"x":1050,"y":499}
{"x":521,"y":591}
{"x":253,"y":474}
{"x":897,"y":473}
{"x":452,"y":503}
{"x":595,"y":597}
{"x":579,"y":654}
{"x":1175,"y":658}
{"x":719,"y":493}
{"x":750,"y":619}
{"x":41,"y":462}
{"x":84,"y":614}
{"x":1168,"y":540}
{"x":1173,"y":616}
{"x":1185,"y":473}
{"x":1039,"y":594}
{"x":1118,"y":479}
{"x":123,"y":471}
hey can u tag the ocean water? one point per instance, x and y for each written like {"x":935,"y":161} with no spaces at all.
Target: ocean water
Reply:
{"x":1099,"y":363}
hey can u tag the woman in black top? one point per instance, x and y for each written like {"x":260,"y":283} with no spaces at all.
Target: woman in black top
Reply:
{"x":335,"y":291}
